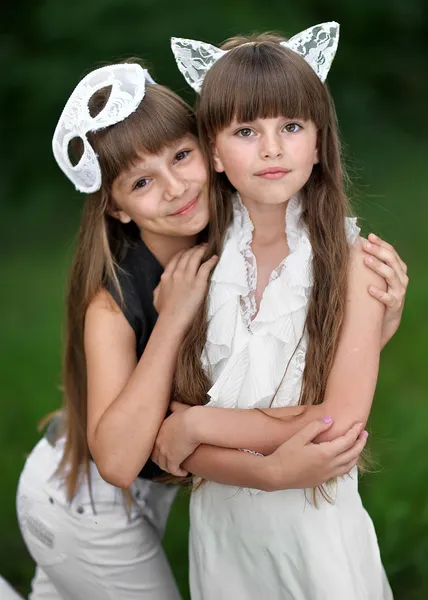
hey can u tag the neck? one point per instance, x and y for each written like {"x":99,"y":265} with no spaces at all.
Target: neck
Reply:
{"x":164,"y":247}
{"x":268,"y":220}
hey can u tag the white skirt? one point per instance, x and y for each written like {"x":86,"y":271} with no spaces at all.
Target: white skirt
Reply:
{"x":252,"y":545}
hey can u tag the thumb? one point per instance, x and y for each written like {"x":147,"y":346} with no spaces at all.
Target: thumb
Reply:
{"x":314,"y":429}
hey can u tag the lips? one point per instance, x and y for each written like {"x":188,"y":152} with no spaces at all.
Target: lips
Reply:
{"x":184,"y":210}
{"x":273,"y":171}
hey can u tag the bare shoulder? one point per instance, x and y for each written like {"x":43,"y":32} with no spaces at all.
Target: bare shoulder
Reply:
{"x":103,"y":300}
{"x":359,"y":275}
{"x":105,"y":319}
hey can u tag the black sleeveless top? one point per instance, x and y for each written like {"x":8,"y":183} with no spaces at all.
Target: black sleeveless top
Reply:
{"x":138,"y":275}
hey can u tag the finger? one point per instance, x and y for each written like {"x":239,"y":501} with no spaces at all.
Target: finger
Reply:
{"x":175,"y":470}
{"x":206,"y":268}
{"x":375,"y":239}
{"x":189,"y":258}
{"x":353,"y":454}
{"x":195,"y":261}
{"x":344,"y":469}
{"x":308,"y":433}
{"x":171,"y":266}
{"x":380,"y":242}
{"x":388,"y":299}
{"x":385,"y":271}
{"x":346,"y":441}
{"x":389,"y":257}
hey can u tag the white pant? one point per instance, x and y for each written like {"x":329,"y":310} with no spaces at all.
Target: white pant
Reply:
{"x":82,"y":555}
{"x":6,"y":592}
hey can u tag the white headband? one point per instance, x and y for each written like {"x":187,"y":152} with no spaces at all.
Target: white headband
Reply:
{"x":128,"y":86}
{"x":317,"y":45}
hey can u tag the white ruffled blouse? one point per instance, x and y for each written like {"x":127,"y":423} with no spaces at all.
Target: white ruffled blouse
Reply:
{"x":248,"y":355}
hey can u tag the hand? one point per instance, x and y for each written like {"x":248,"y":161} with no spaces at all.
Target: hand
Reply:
{"x":385,"y":261}
{"x":183,"y":285}
{"x":299,"y":463}
{"x":175,"y":441}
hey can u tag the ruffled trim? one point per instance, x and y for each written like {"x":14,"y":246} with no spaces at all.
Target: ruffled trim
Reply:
{"x":234,"y":342}
{"x":352,"y":230}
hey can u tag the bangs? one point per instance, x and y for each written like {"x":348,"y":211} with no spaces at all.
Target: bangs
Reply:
{"x":161,"y":119}
{"x":260,"y":81}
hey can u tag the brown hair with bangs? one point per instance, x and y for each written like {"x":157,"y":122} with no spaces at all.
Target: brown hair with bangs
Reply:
{"x":259,"y":78}
{"x":161,"y":119}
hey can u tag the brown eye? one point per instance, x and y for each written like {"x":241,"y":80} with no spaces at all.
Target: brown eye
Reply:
{"x":292,"y":127}
{"x":141,"y":183}
{"x":245,"y":132}
{"x":182,"y":155}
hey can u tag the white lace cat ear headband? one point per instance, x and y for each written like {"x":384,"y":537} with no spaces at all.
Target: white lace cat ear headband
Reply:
{"x":317,"y":45}
{"x":128,"y":86}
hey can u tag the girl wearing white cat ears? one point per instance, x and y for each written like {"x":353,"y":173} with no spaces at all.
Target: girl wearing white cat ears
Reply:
{"x":139,"y":163}
{"x":289,"y":330}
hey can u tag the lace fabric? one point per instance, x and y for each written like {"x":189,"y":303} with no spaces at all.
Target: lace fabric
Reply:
{"x":128,"y":86}
{"x":317,"y":45}
{"x":194,"y":59}
{"x":248,"y":301}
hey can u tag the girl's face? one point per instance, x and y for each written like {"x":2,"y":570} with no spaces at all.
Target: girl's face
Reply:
{"x":267,"y":160}
{"x":165,"y":194}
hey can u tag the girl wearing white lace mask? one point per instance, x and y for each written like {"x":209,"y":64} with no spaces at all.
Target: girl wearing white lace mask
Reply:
{"x":147,"y":186}
{"x":289,"y":332}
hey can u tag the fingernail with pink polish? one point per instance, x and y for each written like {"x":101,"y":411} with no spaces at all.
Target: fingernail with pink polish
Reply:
{"x":327,"y":419}
{"x":365,"y":434}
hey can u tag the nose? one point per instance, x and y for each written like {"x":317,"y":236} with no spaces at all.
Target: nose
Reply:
{"x":175,"y":186}
{"x":271,"y":146}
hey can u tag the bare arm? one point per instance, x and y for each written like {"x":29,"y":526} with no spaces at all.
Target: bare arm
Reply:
{"x":297,"y":463}
{"x":127,"y":402}
{"x":352,"y":381}
{"x":350,"y":387}
{"x":349,"y":392}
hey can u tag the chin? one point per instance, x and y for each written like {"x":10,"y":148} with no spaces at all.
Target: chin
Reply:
{"x":196,"y":225}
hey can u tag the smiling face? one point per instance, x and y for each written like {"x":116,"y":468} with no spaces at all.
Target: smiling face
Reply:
{"x":267,"y":160}
{"x":165,"y":194}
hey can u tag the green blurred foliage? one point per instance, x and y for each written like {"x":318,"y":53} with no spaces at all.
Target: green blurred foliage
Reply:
{"x":380,"y":85}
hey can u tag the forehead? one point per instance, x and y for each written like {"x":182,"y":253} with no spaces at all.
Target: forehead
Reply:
{"x":146,"y":161}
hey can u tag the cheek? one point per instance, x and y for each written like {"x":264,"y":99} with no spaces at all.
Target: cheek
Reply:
{"x":200,"y":171}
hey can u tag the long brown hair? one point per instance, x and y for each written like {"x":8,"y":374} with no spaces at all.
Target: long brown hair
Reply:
{"x":258,"y":78}
{"x":160,"y":120}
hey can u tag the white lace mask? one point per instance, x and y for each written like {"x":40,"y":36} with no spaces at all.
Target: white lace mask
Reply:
{"x":128,"y":86}
{"x":317,"y":45}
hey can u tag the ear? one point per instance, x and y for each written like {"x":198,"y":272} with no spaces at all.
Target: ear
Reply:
{"x":218,"y":164}
{"x":120,"y":215}
{"x":316,"y":156}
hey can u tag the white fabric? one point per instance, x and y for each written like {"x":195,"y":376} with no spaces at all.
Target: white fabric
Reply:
{"x":317,"y":45}
{"x":81,"y":554}
{"x":7,"y":592}
{"x":128,"y":87}
{"x":249,"y":544}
